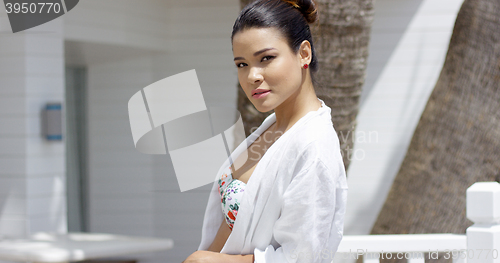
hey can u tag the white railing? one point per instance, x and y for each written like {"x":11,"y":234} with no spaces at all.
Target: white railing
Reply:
{"x":480,"y":244}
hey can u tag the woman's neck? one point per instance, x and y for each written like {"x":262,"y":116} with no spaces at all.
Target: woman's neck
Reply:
{"x":295,"y":107}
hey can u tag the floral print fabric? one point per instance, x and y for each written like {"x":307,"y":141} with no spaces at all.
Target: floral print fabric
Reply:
{"x":231,"y":191}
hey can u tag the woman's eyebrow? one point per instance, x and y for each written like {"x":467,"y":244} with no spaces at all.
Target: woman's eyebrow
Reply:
{"x":256,"y":53}
{"x":262,"y":51}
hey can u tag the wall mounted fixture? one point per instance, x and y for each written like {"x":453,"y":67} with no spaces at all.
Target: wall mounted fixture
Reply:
{"x":52,"y":122}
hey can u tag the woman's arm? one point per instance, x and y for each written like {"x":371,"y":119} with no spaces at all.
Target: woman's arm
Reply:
{"x":213,"y":252}
{"x":309,"y":228}
{"x":202,"y":256}
{"x":221,"y":237}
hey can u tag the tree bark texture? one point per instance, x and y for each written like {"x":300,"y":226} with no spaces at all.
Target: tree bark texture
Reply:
{"x":457,"y":140}
{"x":341,"y":37}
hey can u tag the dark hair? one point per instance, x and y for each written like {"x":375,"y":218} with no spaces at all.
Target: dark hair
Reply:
{"x":290,"y":17}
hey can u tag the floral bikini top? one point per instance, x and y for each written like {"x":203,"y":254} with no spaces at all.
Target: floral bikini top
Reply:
{"x":231,"y":190}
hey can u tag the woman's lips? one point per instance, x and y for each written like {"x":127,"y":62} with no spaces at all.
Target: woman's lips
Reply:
{"x":261,"y":95}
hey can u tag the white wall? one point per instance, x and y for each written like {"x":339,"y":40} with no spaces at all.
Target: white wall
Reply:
{"x":391,"y":20}
{"x":392,"y":107}
{"x":32,"y":184}
{"x":127,"y":46}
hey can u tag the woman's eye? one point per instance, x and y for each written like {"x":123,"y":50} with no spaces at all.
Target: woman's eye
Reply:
{"x":268,"y":58}
{"x":240,"y":65}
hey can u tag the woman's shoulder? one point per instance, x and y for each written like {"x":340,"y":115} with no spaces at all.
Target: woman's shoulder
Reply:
{"x":316,"y":139}
{"x":316,"y":132}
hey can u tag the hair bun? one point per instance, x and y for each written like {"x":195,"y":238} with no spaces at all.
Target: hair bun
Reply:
{"x":307,"y":8}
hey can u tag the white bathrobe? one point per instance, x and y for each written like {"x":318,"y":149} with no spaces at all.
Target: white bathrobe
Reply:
{"x":293,"y":206}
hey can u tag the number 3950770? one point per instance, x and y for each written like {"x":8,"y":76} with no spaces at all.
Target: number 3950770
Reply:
{"x":32,"y":8}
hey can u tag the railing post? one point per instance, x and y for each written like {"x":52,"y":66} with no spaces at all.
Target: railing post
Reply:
{"x":483,"y":208}
{"x":371,"y":258}
{"x":416,"y":260}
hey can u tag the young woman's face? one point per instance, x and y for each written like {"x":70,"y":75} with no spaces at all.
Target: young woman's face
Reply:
{"x":266,"y":62}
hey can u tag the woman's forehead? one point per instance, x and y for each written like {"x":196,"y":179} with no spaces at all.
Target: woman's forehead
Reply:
{"x":253,"y":39}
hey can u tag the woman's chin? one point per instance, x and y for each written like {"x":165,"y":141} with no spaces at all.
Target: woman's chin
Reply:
{"x":264,"y":109}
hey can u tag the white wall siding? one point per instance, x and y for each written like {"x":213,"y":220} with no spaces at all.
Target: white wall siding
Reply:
{"x":32,"y":192}
{"x":131,"y":23}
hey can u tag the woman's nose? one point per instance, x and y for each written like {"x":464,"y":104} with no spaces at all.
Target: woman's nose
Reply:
{"x":255,"y":75}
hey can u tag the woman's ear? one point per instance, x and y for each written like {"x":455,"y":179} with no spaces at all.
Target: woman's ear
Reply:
{"x":305,"y":52}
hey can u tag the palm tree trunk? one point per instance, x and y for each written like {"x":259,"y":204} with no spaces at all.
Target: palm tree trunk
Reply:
{"x":457,"y":140}
{"x":341,"y":39}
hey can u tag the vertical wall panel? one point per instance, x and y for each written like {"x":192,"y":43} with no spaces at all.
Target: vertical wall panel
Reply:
{"x":27,"y":202}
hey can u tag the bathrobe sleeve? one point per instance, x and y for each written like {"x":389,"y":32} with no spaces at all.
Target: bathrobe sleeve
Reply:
{"x":309,"y":228}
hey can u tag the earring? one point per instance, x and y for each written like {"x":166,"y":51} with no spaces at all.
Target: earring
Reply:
{"x":306,"y":66}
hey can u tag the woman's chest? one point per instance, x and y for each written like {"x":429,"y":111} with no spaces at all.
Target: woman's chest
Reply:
{"x":248,"y":162}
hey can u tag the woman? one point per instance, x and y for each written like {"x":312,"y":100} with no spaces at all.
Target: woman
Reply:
{"x":286,"y":201}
